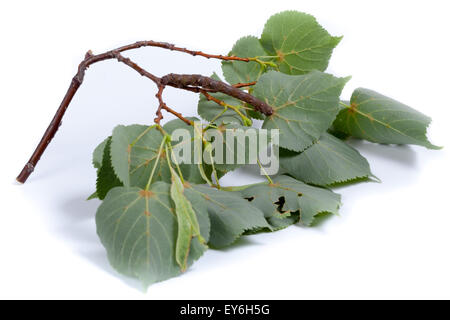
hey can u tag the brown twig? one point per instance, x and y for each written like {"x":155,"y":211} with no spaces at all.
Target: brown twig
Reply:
{"x":163,"y":105}
{"x":169,"y":46}
{"x":194,"y":83}
{"x":242,"y":85}
{"x":136,"y":67}
{"x":196,"y":80}
{"x":89,"y":59}
{"x":158,"y":96}
{"x":212,"y":98}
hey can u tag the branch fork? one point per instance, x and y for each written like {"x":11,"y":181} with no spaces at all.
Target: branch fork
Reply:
{"x":190,"y":82}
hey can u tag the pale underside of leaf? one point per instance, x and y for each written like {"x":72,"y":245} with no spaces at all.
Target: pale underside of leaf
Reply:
{"x":122,"y":138}
{"x":97,"y":157}
{"x":135,"y":149}
{"x":138,"y":229}
{"x":287,"y":196}
{"x":326,"y":162}
{"x":230,"y":215}
{"x":188,"y":226}
{"x":377,"y":118}
{"x":241,"y":144}
{"x":190,"y":172}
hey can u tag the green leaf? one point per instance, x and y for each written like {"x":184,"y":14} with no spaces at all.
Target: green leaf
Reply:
{"x":190,"y":170}
{"x":139,"y":229}
{"x":239,"y":145}
{"x":304,"y":106}
{"x":326,"y":162}
{"x":377,"y":118}
{"x":175,"y":124}
{"x":244,"y":72}
{"x":121,"y":149}
{"x":184,"y":236}
{"x":106,"y":178}
{"x":134,"y":151}
{"x":287,"y":195}
{"x":255,"y":114}
{"x":298,"y":42}
{"x":333,"y":130}
{"x":230,"y":215}
{"x":283,"y":220}
{"x":97,"y":157}
{"x":338,"y":134}
{"x":94,"y":195}
{"x":210,"y":110}
{"x":188,"y":226}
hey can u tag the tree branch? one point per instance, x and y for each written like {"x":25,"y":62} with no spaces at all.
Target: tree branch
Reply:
{"x":214,"y":99}
{"x":163,"y":105}
{"x":243,"y":85}
{"x":196,"y":80}
{"x":179,"y":81}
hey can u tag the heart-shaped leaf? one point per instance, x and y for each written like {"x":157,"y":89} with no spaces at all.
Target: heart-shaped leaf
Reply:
{"x":298,"y":42}
{"x":135,"y":149}
{"x":139,"y":231}
{"x":304,"y":106}
{"x":244,"y":72}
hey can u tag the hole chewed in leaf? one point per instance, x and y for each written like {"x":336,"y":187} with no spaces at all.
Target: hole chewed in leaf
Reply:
{"x":280,"y":203}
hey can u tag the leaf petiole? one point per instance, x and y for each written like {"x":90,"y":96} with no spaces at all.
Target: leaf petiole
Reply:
{"x":160,"y":150}
{"x":247,"y":121}
{"x":208,"y":148}
{"x":264,"y":171}
{"x":344,"y":104}
{"x":169,"y":147}
{"x":211,"y":123}
{"x":264,"y":64}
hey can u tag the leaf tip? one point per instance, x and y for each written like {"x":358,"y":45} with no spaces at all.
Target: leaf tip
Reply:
{"x":434,"y":147}
{"x":346,"y":79}
{"x":92,"y":196}
{"x":374,"y":178}
{"x":336,"y":40}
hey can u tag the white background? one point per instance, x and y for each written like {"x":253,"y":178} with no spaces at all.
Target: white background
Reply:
{"x":391,"y":240}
